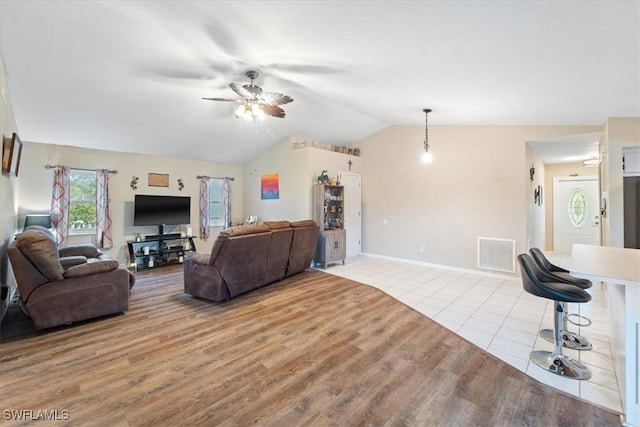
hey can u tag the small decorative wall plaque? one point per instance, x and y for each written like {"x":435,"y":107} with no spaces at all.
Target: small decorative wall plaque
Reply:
{"x":158,"y":180}
{"x":537,"y":196}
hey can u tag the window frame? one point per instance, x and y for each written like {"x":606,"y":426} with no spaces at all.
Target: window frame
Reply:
{"x":214,"y":221}
{"x":82,"y":231}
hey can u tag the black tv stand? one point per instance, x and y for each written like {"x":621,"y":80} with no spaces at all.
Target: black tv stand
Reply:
{"x":163,"y":250}
{"x":163,"y":236}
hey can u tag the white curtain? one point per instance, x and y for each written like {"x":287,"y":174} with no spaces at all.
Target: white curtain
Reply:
{"x":205,"y":204}
{"x":226,"y":202}
{"x":103,"y":210}
{"x":60,"y":204}
{"x":204,"y":208}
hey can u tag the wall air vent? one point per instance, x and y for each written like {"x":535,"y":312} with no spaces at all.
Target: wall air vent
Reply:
{"x":497,"y":254}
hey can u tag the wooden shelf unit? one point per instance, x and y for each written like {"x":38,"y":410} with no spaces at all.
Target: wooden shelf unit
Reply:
{"x":328,"y":213}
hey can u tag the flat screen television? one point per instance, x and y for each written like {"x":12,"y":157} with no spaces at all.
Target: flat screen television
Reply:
{"x":161,"y":210}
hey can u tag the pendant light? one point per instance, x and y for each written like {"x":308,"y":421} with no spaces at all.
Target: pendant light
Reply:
{"x":426,"y":156}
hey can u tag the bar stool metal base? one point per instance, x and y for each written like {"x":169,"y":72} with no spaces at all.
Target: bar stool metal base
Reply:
{"x":587,"y":321}
{"x":569,"y":339}
{"x":560,"y":365}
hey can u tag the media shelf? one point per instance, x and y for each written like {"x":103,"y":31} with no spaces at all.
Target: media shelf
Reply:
{"x":159,"y":251}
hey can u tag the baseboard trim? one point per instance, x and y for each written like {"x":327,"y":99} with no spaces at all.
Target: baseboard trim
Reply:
{"x":447,"y":267}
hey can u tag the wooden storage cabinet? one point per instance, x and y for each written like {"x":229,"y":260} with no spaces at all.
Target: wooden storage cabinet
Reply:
{"x":165,"y":250}
{"x":331,"y":247}
{"x":328,"y":213}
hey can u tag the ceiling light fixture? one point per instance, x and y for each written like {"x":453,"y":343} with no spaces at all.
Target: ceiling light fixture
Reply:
{"x":254,"y":102}
{"x":249,"y":111}
{"x":426,"y":156}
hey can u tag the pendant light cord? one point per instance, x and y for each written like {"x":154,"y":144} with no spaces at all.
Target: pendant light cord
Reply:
{"x":426,"y":129}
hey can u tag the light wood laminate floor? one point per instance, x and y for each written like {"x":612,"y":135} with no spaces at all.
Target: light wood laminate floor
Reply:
{"x":497,"y":315}
{"x":315,"y":349}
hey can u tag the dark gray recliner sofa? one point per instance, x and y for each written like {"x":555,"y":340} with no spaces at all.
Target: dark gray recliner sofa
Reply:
{"x":61,"y":286}
{"x":247,"y":257}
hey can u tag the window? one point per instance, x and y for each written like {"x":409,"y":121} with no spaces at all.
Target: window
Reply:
{"x":215,"y":202}
{"x":578,"y":207}
{"x":82,"y":201}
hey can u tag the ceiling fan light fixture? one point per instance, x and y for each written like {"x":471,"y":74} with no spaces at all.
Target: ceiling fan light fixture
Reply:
{"x":240,"y":111}
{"x":248,"y":115}
{"x":257,"y":112}
{"x":254,"y":102}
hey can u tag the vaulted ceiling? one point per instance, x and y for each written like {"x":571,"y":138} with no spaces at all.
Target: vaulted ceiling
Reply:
{"x":129,"y":75}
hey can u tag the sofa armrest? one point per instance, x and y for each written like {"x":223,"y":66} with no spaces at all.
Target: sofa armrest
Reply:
{"x":87,"y":250}
{"x":71,"y":261}
{"x":91,"y":267}
{"x":204,"y":280}
{"x":200,"y":258}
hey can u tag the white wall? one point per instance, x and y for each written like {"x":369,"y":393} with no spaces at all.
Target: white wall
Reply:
{"x":478,"y":185}
{"x":298,"y":170}
{"x":8,"y":193}
{"x":620,"y":132}
{"x":35,"y":186}
{"x":536,"y":221}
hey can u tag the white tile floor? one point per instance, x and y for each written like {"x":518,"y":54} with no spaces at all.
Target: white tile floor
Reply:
{"x":497,"y":315}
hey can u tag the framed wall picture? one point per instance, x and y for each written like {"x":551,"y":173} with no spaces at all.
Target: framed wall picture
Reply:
{"x":537,"y":196}
{"x":11,"y":153}
{"x":270,"y":186}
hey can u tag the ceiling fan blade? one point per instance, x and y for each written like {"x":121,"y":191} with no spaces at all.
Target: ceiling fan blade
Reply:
{"x":273,"y":110}
{"x":224,"y":99}
{"x":273,"y":98}
{"x":240,"y":90}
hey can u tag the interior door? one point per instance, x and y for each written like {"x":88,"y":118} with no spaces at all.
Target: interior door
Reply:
{"x":576,"y":212}
{"x":352,"y":212}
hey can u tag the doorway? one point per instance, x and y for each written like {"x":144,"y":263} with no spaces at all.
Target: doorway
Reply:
{"x":631,"y":200}
{"x":576,"y":212}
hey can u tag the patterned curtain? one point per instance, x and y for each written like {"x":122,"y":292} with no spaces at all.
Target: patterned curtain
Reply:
{"x":204,"y":208}
{"x":103,"y":210}
{"x":226,"y":202}
{"x":60,"y":204}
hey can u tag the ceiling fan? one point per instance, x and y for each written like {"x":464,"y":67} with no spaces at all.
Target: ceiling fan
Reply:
{"x":255,"y":103}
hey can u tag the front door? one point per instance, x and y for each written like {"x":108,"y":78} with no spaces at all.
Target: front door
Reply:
{"x":576,"y":212}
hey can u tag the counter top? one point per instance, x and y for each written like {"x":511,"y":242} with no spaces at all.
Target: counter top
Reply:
{"x":621,"y":264}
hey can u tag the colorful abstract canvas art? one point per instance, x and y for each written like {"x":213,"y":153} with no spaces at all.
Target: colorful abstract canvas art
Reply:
{"x":269,"y":186}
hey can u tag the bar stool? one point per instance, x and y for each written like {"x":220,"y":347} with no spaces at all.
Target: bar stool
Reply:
{"x":536,"y":282}
{"x":570,"y":339}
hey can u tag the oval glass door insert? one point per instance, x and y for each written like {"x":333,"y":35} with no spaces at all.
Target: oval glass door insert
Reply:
{"x":578,"y":207}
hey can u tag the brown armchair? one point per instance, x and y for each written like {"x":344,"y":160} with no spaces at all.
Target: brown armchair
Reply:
{"x":67,"y":285}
